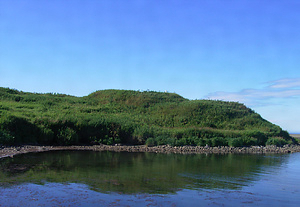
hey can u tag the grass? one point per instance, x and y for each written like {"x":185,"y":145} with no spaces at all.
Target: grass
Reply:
{"x":130,"y":117}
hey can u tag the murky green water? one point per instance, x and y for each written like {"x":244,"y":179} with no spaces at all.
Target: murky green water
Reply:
{"x":86,"y":178}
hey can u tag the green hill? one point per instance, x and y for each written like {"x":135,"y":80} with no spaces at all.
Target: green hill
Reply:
{"x":130,"y":117}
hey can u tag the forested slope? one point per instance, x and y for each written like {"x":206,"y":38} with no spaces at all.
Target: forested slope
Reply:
{"x":130,"y":117}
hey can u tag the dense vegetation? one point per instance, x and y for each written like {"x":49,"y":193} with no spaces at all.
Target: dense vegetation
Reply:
{"x":130,"y":117}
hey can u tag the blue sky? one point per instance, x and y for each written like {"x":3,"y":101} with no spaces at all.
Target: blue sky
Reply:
{"x":243,"y":50}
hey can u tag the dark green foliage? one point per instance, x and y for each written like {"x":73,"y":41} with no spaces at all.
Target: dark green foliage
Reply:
{"x":258,"y":135}
{"x":21,"y":129}
{"x":242,"y":142}
{"x":219,"y":141}
{"x":276,"y":141}
{"x":129,"y":117}
{"x":67,"y":136}
{"x":151,"y":142}
{"x":192,"y":141}
{"x":6,"y":137}
{"x":46,"y":136}
{"x":162,"y":140}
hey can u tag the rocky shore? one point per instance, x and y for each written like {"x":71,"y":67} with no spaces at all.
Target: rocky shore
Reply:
{"x":10,"y":151}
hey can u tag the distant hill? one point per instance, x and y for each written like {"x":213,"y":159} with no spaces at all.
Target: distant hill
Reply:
{"x":131,"y":117}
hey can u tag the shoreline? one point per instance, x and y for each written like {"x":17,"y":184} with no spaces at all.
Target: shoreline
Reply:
{"x":10,"y":151}
{"x":296,"y":136}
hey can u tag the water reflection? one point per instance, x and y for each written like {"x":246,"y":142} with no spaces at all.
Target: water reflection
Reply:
{"x":131,"y":173}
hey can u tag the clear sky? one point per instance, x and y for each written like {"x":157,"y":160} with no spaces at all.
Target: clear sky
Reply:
{"x":239,"y":50}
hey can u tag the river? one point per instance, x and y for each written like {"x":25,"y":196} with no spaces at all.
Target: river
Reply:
{"x":87,"y":178}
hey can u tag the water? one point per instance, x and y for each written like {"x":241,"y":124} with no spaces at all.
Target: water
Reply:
{"x":87,"y":178}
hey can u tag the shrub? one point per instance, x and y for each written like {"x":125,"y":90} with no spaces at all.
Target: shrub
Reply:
{"x":181,"y":142}
{"x":249,"y":141}
{"x":6,"y":138}
{"x":150,"y":142}
{"x":108,"y":140}
{"x":67,"y":136}
{"x":219,"y":141}
{"x":242,"y":142}
{"x":46,"y":136}
{"x":200,"y":142}
{"x":162,"y":140}
{"x":192,"y":141}
{"x":236,"y":142}
{"x":276,"y":141}
{"x":141,"y":133}
{"x":259,"y":136}
{"x":207,"y":142}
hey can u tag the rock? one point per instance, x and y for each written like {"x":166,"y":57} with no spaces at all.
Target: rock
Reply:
{"x":11,"y":151}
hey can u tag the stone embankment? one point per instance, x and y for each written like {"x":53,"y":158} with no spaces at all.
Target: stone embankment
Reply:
{"x":14,"y":150}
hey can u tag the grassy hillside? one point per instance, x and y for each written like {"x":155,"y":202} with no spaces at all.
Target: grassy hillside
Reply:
{"x":130,"y":117}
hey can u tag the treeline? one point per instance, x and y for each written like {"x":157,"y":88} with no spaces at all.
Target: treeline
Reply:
{"x":131,"y":117}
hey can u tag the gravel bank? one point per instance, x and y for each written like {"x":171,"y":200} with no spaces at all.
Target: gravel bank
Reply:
{"x":14,"y":150}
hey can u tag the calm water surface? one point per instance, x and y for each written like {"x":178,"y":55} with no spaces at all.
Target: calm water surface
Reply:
{"x":86,"y":178}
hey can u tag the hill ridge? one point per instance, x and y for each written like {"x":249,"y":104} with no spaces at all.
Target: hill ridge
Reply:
{"x":127,"y":116}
